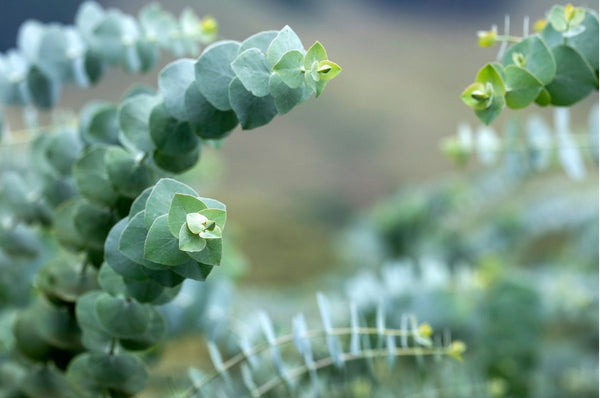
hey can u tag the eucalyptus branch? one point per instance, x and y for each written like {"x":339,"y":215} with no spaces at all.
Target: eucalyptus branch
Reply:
{"x":289,"y":338}
{"x":348,"y":357}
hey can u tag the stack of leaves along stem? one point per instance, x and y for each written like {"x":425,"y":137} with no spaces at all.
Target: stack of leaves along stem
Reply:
{"x":308,"y":361}
{"x":558,"y":66}
{"x":129,"y":233}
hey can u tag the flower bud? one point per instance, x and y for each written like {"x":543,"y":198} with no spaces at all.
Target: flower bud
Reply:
{"x":540,"y":24}
{"x":488,"y":38}
{"x":209,"y":25}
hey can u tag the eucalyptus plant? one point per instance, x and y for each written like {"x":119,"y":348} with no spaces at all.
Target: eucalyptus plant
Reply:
{"x":556,"y":66}
{"x":129,"y":232}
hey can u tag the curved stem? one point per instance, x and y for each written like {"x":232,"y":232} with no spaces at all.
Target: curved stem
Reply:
{"x":286,"y":339}
{"x":347,"y":357}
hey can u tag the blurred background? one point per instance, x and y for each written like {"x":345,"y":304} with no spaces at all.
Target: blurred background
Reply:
{"x":365,"y":157}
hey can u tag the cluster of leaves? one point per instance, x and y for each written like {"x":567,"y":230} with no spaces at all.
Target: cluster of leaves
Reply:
{"x":51,"y":55}
{"x":531,"y":148}
{"x":558,"y":66}
{"x":270,"y":367}
{"x":510,"y":270}
{"x":130,"y":234}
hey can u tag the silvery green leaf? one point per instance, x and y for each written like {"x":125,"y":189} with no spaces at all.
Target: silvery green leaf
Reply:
{"x":464,"y":134}
{"x":214,"y":73}
{"x":269,"y":332}
{"x":299,"y":330}
{"x":574,"y":31}
{"x":593,"y":130}
{"x":391,"y":351}
{"x":568,"y":150}
{"x":539,"y":142}
{"x":487,"y":144}
{"x":173,"y":81}
{"x":285,"y":41}
{"x":29,"y":39}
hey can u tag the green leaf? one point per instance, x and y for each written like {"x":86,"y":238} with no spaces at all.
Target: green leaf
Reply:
{"x":97,"y":373}
{"x":190,"y":242}
{"x":489,"y":74}
{"x":62,"y":151}
{"x":173,"y":81}
{"x":193,"y":270}
{"x":317,"y":86}
{"x":285,"y":97}
{"x":134,"y":119}
{"x":144,"y":291}
{"x":110,"y":281}
{"x":176,"y":163}
{"x":47,"y":382}
{"x":64,"y":222}
{"x":214,"y":73}
{"x":139,"y":204}
{"x":128,"y":176}
{"x":477,"y":96}
{"x":538,"y":59}
{"x":160,"y":198}
{"x":285,"y":41}
{"x":252,"y":69}
{"x":43,"y":90}
{"x":213,"y":203}
{"x":211,"y":255}
{"x":28,"y":340}
{"x":93,"y":224}
{"x":171,"y":136}
{"x":207,"y":121}
{"x":316,"y":53}
{"x":587,"y":42}
{"x":99,"y":123}
{"x":219,"y":216}
{"x":251,"y":111}
{"x":121,"y":317}
{"x":160,"y":246}
{"x":195,"y":222}
{"x":91,"y":177}
{"x":522,"y":87}
{"x":132,"y":240}
{"x":574,"y":79}
{"x":166,"y":277}
{"x":259,"y":41}
{"x":543,"y":99}
{"x":94,"y":337}
{"x":557,"y":19}
{"x":290,"y":68}
{"x":181,"y":205}
{"x":328,"y":70}
{"x":493,"y":111}
{"x":62,"y":279}
{"x":154,"y":334}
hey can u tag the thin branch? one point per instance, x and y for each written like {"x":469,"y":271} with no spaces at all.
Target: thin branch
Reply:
{"x":286,"y":339}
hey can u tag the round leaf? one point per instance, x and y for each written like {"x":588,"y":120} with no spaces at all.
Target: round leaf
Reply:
{"x":251,"y":111}
{"x":160,"y":246}
{"x":171,"y":137}
{"x":214,"y":73}
{"x":574,"y":79}
{"x":134,"y":119}
{"x":173,"y":81}
{"x":538,"y":59}
{"x":252,"y":69}
{"x":207,"y":121}
{"x":121,"y":317}
{"x":522,"y":87}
